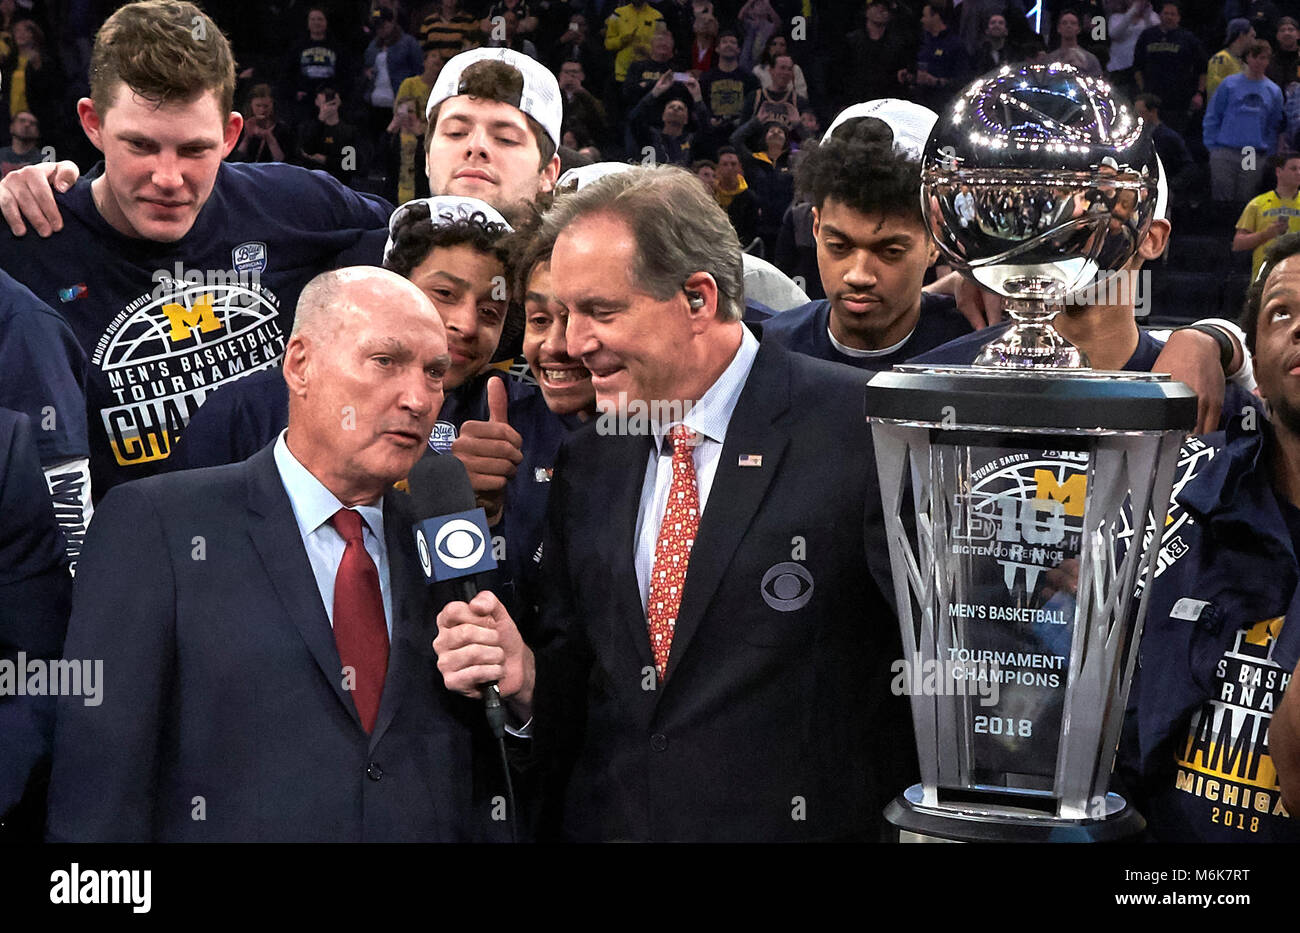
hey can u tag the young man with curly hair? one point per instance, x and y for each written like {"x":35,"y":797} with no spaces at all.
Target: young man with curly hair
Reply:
{"x":872,"y":252}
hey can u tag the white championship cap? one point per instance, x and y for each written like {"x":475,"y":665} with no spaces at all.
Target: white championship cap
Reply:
{"x":910,"y":122}
{"x":540,"y":98}
{"x":582,"y":175}
{"x":447,"y":209}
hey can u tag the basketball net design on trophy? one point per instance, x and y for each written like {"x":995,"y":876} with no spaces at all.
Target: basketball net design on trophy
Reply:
{"x":1012,"y":488}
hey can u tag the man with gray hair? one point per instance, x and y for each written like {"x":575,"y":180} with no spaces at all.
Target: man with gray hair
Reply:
{"x":272,"y":680}
{"x":713,"y":653}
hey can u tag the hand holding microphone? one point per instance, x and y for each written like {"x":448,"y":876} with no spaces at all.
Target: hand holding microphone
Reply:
{"x":478,"y":645}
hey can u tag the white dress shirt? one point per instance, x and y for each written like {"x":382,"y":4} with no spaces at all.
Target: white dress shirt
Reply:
{"x":313,"y":506}
{"x":709,"y":419}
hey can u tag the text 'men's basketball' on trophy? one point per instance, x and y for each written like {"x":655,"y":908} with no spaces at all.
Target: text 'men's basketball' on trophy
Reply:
{"x":1021,"y":494}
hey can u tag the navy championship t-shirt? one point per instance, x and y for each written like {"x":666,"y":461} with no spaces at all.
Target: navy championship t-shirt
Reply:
{"x":806,"y":330}
{"x":164,"y":324}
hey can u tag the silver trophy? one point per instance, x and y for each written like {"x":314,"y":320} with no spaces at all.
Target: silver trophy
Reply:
{"x":1022,"y":497}
{"x":1037,"y":181}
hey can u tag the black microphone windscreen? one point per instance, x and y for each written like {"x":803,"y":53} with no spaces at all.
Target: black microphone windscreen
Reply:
{"x":440,"y":486}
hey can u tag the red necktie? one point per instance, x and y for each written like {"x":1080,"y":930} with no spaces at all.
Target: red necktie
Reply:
{"x":673,"y":548}
{"x":359,"y":627}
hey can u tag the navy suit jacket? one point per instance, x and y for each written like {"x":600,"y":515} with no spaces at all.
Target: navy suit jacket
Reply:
{"x":775,"y":721}
{"x":224,"y":716}
{"x":35,"y":595}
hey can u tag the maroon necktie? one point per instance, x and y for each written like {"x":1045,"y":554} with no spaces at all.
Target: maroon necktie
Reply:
{"x":359,"y":627}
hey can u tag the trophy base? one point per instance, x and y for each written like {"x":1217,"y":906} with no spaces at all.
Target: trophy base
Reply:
{"x":917,"y":823}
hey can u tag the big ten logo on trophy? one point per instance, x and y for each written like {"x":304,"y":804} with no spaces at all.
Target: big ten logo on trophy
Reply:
{"x":1026,"y":511}
{"x":788,"y":586}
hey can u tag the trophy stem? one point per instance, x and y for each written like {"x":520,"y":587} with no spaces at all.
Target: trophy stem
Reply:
{"x":1032,"y":341}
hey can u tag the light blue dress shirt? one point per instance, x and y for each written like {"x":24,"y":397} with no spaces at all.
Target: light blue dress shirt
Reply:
{"x":709,"y":419}
{"x":313,"y":506}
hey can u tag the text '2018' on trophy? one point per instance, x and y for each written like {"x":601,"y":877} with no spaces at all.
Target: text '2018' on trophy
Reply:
{"x":1035,"y":483}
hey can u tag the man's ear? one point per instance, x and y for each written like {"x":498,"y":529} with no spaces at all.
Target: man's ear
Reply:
{"x":700,"y":291}
{"x":234,"y":126}
{"x":550,"y":175}
{"x":817,"y":222}
{"x":1157,"y":238}
{"x":91,"y":124}
{"x":295,"y":365}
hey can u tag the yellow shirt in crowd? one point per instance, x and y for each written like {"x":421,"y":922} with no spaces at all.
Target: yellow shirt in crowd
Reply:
{"x":1260,"y":215}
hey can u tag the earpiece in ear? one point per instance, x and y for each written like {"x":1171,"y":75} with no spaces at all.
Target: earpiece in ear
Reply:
{"x":694,"y":300}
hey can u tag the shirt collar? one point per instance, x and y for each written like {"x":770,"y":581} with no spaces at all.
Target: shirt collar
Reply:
{"x":712,"y":413}
{"x":313,"y":504}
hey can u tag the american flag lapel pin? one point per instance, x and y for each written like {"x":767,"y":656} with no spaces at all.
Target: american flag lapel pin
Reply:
{"x":751,"y":460}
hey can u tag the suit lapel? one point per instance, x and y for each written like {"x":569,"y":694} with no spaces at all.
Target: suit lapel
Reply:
{"x":410,"y":610}
{"x":737,"y":492}
{"x":274,"y":532}
{"x":617,"y":492}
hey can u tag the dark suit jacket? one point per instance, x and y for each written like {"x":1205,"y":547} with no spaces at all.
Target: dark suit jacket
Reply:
{"x":775,"y":721}
{"x":223,"y":696}
{"x":35,"y":596}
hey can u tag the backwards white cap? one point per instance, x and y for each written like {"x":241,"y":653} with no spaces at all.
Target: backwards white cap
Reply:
{"x":540,"y":98}
{"x":582,"y":175}
{"x":1162,"y":192}
{"x":444,"y":210}
{"x":910,"y":122}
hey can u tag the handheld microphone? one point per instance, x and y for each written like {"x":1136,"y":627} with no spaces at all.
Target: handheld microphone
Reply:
{"x":453,"y":541}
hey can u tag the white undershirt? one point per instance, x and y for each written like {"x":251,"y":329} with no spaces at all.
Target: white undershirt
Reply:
{"x":866,"y":354}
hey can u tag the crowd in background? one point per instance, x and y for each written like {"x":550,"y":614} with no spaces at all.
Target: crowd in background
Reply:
{"x":737,"y":90}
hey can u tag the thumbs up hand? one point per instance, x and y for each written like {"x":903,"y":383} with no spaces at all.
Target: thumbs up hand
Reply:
{"x":491,"y":452}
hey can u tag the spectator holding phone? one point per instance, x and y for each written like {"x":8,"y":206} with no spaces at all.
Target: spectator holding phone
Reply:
{"x":673,"y":144}
{"x":265,"y":139}
{"x":642,"y":74}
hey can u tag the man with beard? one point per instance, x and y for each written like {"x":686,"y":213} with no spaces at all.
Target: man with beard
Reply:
{"x":1204,"y":755}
